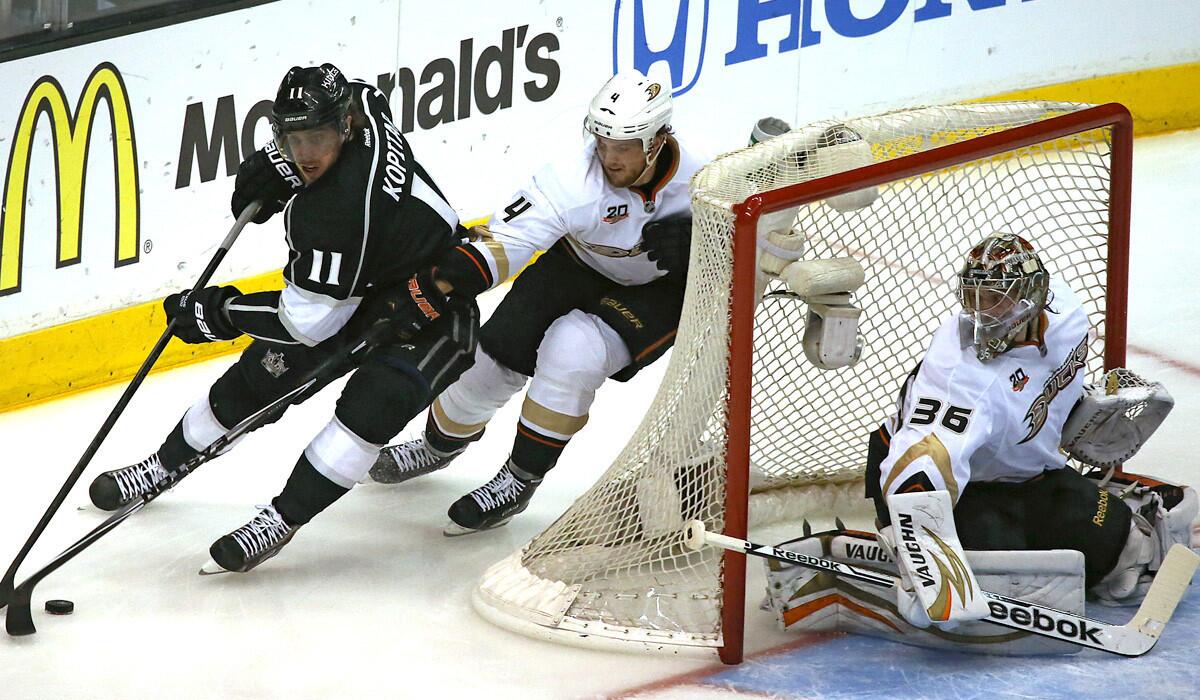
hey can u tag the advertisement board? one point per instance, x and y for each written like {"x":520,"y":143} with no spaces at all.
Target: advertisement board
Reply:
{"x":120,"y":153}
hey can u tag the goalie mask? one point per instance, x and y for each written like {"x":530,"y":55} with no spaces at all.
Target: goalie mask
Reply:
{"x":1002,"y":287}
{"x":630,"y":106}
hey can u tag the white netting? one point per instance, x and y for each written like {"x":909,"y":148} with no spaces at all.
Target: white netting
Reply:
{"x":613,"y":564}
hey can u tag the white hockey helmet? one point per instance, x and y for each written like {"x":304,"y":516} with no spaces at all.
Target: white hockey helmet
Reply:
{"x":630,"y":106}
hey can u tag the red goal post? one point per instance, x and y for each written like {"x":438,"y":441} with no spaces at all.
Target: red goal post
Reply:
{"x":739,"y":399}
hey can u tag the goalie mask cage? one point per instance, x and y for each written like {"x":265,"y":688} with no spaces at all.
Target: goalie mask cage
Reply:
{"x":740,"y":404}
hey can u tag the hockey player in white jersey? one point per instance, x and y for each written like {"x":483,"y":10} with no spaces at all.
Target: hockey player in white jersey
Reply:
{"x":972,"y":461}
{"x":603,"y":301}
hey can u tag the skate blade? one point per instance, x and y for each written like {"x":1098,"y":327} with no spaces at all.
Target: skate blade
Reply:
{"x":453,"y":529}
{"x":390,"y":478}
{"x":212,"y":568}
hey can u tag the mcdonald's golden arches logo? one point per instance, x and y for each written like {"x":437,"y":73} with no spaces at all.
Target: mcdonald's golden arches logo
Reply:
{"x":71,"y":133}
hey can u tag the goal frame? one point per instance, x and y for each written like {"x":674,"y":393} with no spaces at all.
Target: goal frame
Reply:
{"x":1112,"y":116}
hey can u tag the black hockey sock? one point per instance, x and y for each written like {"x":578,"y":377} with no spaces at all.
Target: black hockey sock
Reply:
{"x":306,"y":493}
{"x":534,"y":452}
{"x":446,"y":444}
{"x":175,"y":450}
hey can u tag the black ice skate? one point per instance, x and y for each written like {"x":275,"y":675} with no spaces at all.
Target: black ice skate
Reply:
{"x":251,"y":544}
{"x":113,"y":489}
{"x":493,"y":504}
{"x":408,"y":460}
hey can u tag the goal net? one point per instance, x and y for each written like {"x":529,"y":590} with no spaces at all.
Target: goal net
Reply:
{"x":743,"y":422}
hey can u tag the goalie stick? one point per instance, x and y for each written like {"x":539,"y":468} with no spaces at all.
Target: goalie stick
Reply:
{"x":6,"y":583}
{"x":1134,"y":638}
{"x":19,"y":621}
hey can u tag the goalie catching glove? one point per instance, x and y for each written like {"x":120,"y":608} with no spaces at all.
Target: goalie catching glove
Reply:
{"x":200,"y":316}
{"x":938,"y":586}
{"x":1112,"y":420}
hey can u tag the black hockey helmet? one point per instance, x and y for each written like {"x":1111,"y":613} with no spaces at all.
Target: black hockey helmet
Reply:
{"x":309,"y":98}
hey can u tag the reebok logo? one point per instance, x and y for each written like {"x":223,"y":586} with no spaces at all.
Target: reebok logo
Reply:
{"x":804,"y":559}
{"x":1101,"y":509}
{"x":1003,"y":609}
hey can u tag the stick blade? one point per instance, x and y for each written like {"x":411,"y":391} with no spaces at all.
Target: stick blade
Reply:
{"x":1169,"y":587}
{"x":19,"y":621}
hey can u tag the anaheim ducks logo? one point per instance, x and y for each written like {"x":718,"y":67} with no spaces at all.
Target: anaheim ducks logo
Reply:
{"x":1035,"y":417}
{"x":652,"y":90}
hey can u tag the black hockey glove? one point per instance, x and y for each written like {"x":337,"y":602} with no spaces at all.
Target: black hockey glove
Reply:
{"x":201,"y":317}
{"x":411,"y":306}
{"x":266,"y":176}
{"x":668,"y":244}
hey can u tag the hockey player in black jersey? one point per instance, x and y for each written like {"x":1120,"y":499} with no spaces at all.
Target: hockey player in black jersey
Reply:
{"x":366,"y":227}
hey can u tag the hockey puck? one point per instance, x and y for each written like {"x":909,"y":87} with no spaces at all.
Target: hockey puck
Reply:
{"x":60,"y":607}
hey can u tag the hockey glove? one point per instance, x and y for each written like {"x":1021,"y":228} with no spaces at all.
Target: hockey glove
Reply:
{"x":265,"y":176}
{"x":411,"y":306}
{"x":668,"y":244}
{"x":201,"y":317}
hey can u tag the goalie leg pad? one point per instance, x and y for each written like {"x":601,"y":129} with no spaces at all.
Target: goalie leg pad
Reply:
{"x":809,"y":600}
{"x":1163,"y":515}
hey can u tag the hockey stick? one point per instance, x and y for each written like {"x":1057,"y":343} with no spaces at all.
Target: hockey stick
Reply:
{"x":1135,"y":638}
{"x":6,"y":584}
{"x":19,"y":621}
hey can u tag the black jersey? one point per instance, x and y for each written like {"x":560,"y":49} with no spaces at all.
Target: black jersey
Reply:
{"x":373,"y":219}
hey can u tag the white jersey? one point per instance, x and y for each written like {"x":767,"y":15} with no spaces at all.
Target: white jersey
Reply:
{"x":962,"y":420}
{"x":570,"y":198}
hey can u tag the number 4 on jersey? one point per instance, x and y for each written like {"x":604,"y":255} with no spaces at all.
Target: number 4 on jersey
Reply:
{"x":516,"y":208}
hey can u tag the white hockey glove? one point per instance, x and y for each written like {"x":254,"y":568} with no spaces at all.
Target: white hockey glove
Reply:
{"x":1111,"y":422}
{"x":938,"y":586}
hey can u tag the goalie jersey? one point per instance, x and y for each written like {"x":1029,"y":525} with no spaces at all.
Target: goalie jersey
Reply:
{"x":570,"y":198}
{"x":962,"y":420}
